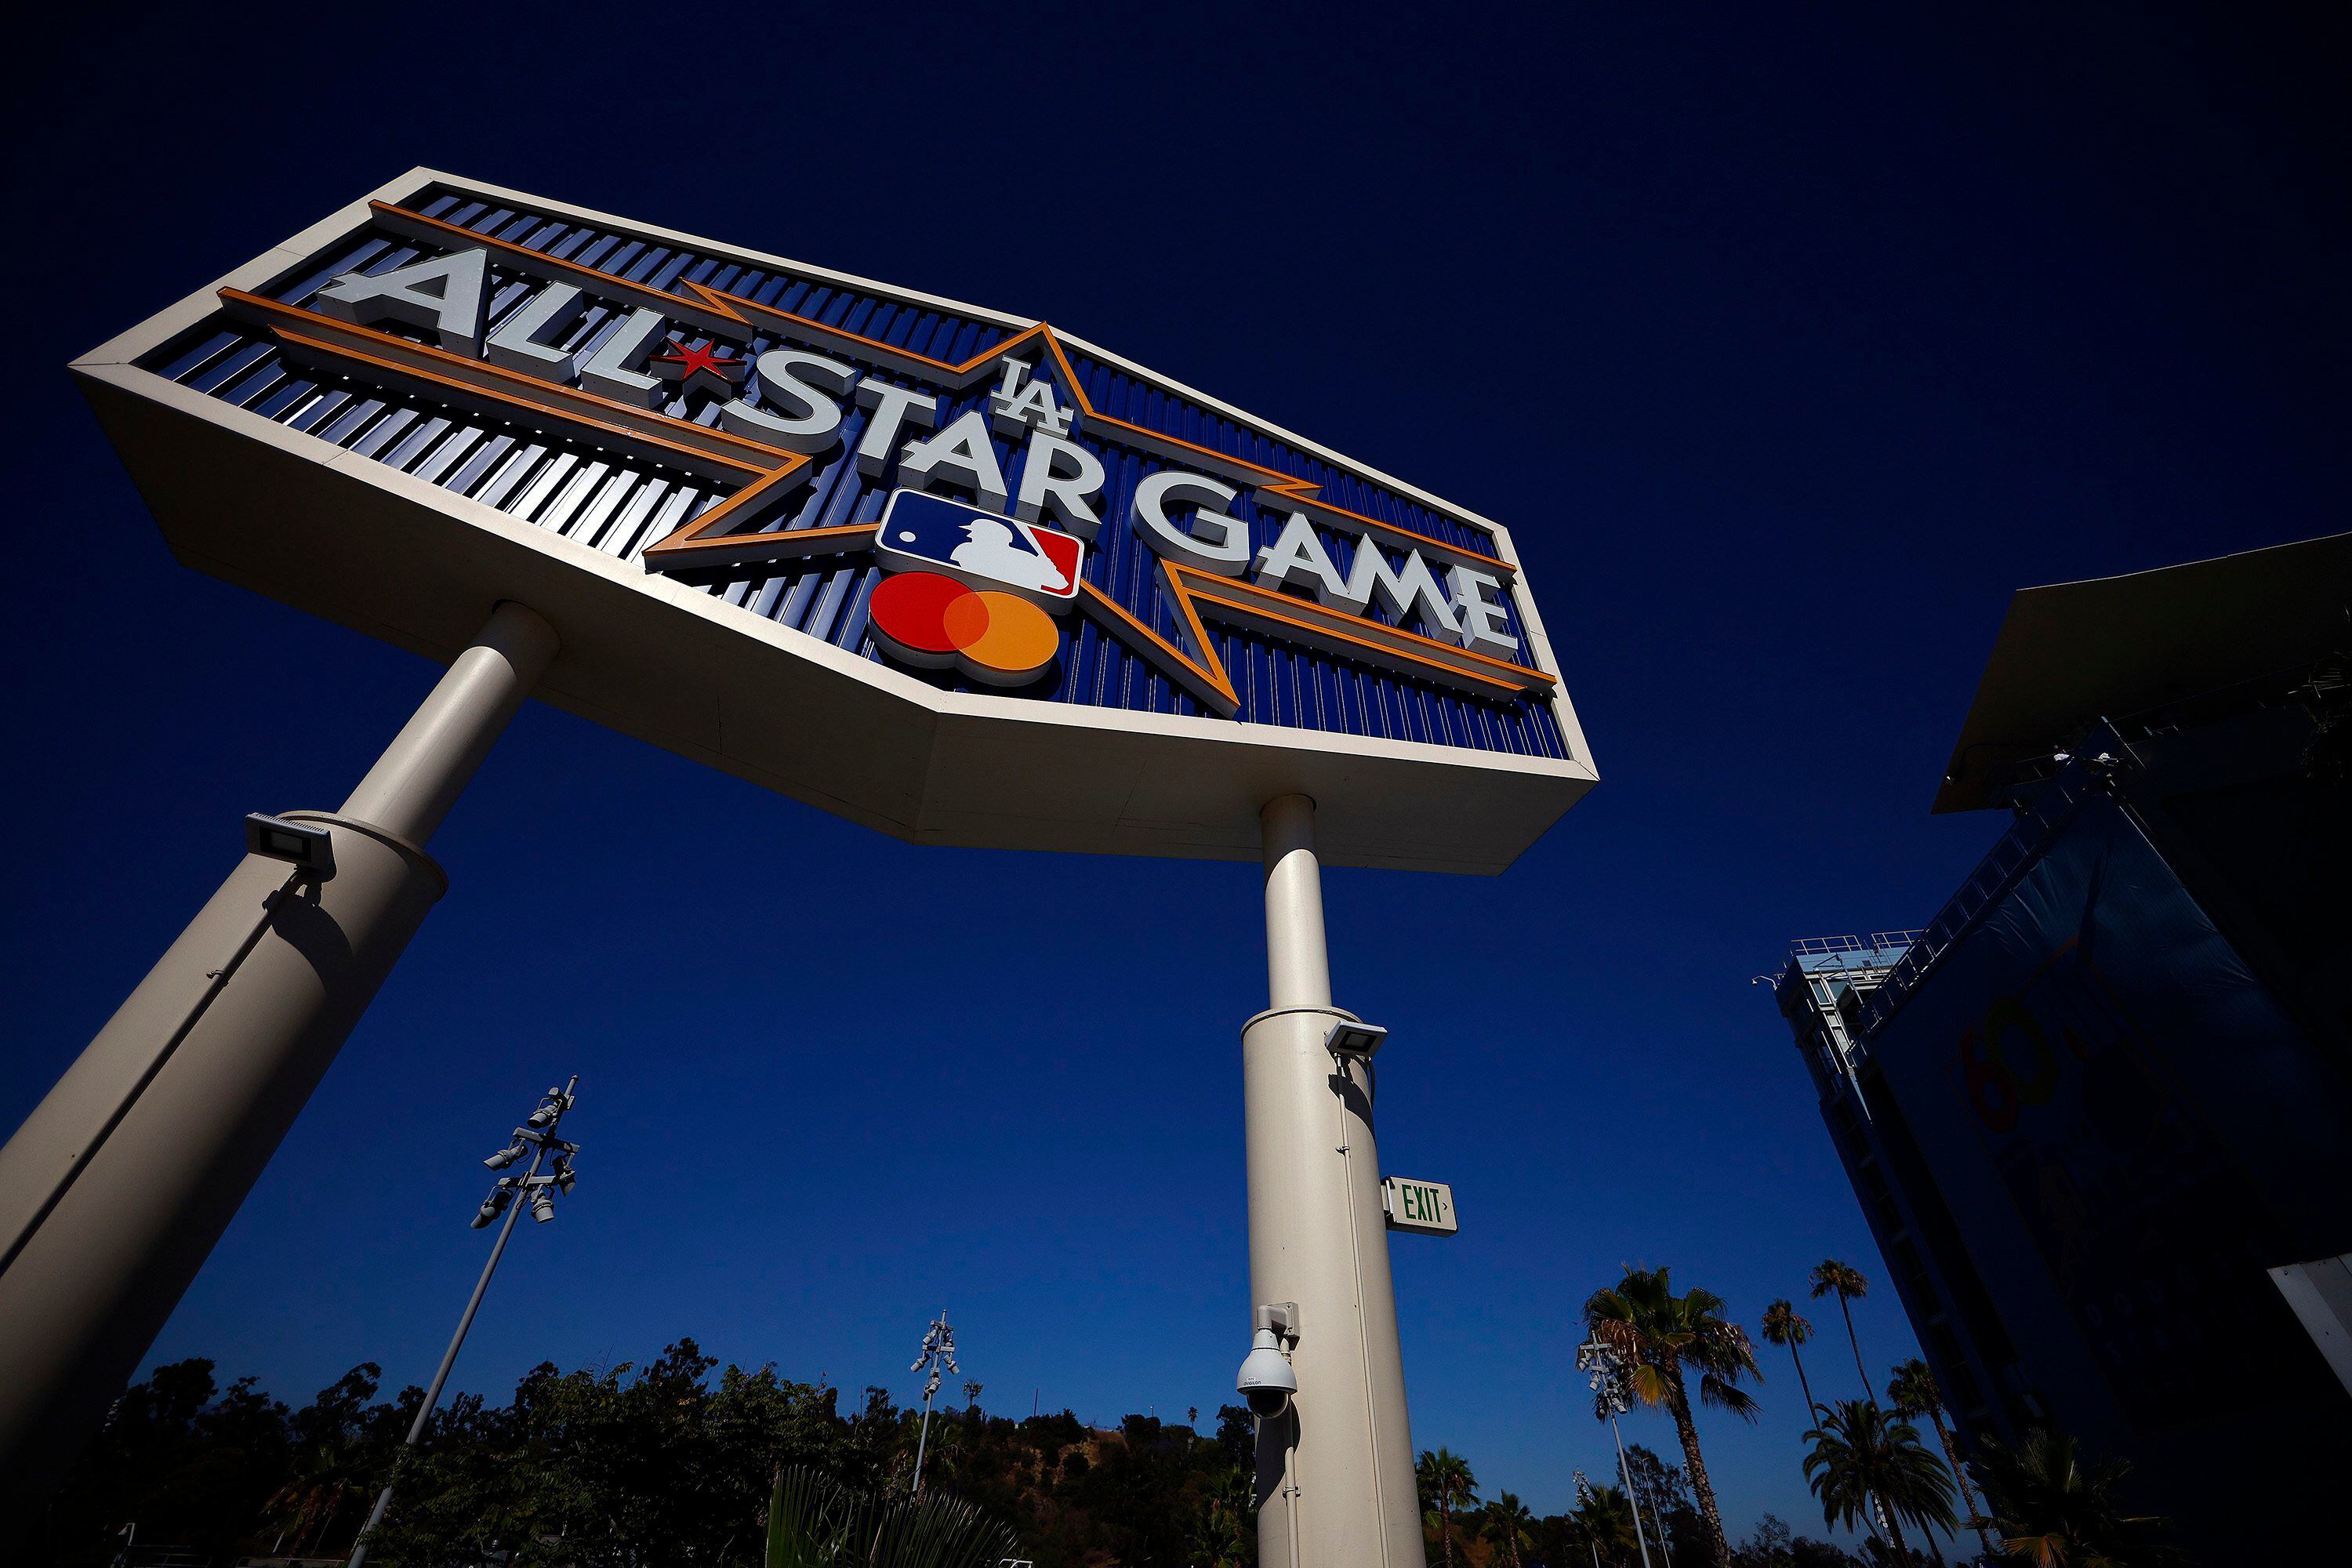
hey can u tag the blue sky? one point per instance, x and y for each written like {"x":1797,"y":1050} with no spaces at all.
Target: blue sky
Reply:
{"x":1786,"y":347}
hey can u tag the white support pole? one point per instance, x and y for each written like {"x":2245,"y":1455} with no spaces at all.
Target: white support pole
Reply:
{"x":114,"y":1190}
{"x":1335,"y":1473}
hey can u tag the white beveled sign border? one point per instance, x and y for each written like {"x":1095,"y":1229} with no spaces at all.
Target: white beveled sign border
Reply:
{"x":301,"y":521}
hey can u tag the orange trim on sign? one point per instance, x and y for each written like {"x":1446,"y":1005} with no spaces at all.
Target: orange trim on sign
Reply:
{"x":695,"y":545}
{"x":411,"y":358}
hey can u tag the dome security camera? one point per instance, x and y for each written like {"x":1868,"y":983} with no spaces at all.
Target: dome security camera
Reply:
{"x":1267,"y":1380}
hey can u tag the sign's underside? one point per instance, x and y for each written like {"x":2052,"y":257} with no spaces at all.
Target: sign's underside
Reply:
{"x":713,"y":589}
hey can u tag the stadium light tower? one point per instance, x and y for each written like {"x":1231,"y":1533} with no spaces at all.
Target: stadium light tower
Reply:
{"x":1606,"y":1377}
{"x":937,"y":1354}
{"x":536,"y":1137}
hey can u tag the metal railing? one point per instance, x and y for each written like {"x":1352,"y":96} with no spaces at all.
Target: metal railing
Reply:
{"x":1994,"y":876}
{"x":1877,"y":942}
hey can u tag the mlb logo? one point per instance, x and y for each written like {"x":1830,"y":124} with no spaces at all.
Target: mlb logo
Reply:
{"x":929,"y":534}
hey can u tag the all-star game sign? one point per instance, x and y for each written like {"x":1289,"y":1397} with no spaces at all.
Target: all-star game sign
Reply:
{"x":962,"y":576}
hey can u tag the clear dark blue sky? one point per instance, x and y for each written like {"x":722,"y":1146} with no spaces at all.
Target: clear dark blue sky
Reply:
{"x":1786,"y":347}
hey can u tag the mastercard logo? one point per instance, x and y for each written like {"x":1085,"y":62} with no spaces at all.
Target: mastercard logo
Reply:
{"x":929,"y":619}
{"x":970,"y":590}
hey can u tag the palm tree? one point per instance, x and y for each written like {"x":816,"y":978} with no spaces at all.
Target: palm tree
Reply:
{"x":2055,"y":1510}
{"x":330,"y":1473}
{"x":1605,"y":1521}
{"x":1862,"y":1463}
{"x":1656,"y":1335}
{"x":1446,"y":1481}
{"x":1513,"y":1524}
{"x":1783,"y":1327}
{"x":1913,"y":1392}
{"x":815,"y":1522}
{"x":1848,"y":1284}
{"x":1220,"y":1531}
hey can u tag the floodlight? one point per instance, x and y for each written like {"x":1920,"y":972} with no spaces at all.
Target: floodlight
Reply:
{"x":305,"y":846}
{"x":494,"y":1206}
{"x":507,"y":1156}
{"x":542,"y":1205}
{"x":542,"y":1116}
{"x":1355,"y":1039}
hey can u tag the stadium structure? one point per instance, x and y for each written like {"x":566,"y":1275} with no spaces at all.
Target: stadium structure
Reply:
{"x":2098,"y":1111}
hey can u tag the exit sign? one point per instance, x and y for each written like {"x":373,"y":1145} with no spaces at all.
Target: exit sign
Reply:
{"x":1426,"y":1208}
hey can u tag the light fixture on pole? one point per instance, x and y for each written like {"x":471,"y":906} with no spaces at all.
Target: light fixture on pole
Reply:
{"x":537,"y":1135}
{"x":1606,"y":1378}
{"x":937,"y":1354}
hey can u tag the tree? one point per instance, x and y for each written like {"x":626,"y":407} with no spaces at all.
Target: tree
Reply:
{"x":671,"y":1462}
{"x":1862,"y":1463}
{"x":2053,"y":1509}
{"x":1603,"y":1522}
{"x":1849,"y":1285}
{"x":328,"y":1474}
{"x":621,"y":1467}
{"x":1768,"y":1545}
{"x":1663,"y":1494}
{"x":1222,"y":1531}
{"x":815,"y":1522}
{"x":1657,"y":1335}
{"x":194,"y":1463}
{"x":1445,"y":1484}
{"x":1512,"y":1525}
{"x":1913,"y":1392}
{"x":1782,"y":1326}
{"x":1237,"y":1436}
{"x":335,"y":1463}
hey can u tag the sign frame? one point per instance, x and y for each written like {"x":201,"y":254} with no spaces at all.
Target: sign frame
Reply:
{"x":370,"y":547}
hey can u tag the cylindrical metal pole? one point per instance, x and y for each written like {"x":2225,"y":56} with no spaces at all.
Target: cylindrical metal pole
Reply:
{"x":1336,"y":1481}
{"x":441,"y":1375}
{"x":1640,"y":1538}
{"x":464,"y":1322}
{"x":116,"y":1187}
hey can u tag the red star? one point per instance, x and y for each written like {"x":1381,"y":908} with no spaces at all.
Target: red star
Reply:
{"x":691,"y":367}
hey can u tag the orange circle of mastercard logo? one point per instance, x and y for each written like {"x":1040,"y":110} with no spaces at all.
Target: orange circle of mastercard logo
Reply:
{"x":927,"y":618}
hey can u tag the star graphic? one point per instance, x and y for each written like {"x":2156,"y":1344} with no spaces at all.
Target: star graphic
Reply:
{"x":702,"y":368}
{"x":1190,"y":659}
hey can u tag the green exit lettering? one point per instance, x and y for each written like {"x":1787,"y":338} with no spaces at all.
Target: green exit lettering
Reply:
{"x":1421,"y":1205}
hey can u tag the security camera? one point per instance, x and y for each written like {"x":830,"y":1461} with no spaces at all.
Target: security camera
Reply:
{"x":1267,"y":1380}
